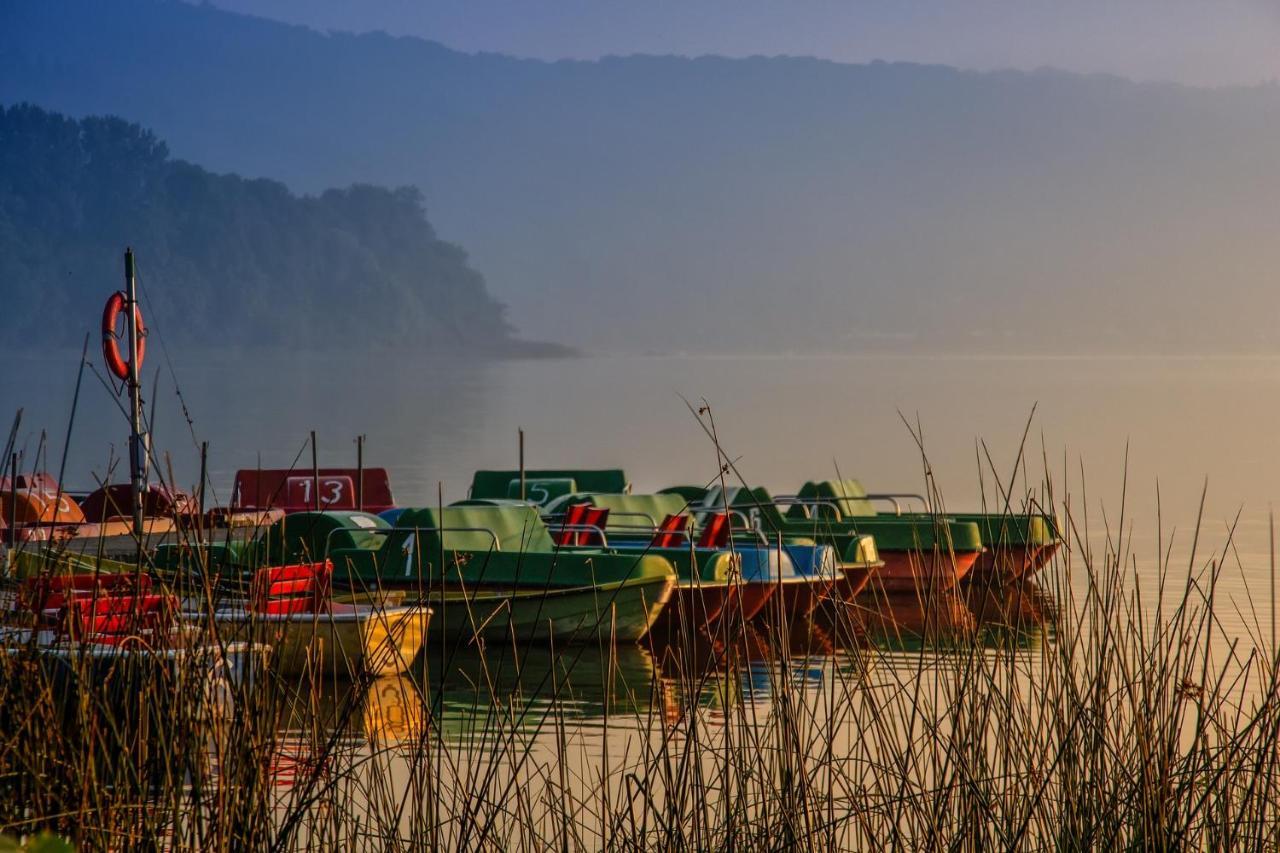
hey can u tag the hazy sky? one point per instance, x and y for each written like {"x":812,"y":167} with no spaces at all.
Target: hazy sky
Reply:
{"x":1207,"y":42}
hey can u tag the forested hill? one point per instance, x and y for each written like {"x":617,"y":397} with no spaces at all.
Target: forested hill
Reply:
{"x":769,"y":204}
{"x":224,"y":260}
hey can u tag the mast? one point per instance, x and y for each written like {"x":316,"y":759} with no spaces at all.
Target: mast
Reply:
{"x":138,"y":441}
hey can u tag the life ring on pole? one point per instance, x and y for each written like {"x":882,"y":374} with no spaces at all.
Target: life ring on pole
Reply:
{"x":111,"y":341}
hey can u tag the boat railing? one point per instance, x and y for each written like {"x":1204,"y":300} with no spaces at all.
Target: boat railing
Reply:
{"x":809,"y":504}
{"x":593,"y":529}
{"x":553,"y":520}
{"x":896,"y":498}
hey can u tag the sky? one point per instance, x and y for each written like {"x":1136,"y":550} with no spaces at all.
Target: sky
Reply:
{"x":1198,"y":42}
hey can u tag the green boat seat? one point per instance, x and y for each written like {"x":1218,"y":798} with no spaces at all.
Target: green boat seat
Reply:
{"x":514,"y":527}
{"x":839,"y":499}
{"x":1012,"y":530}
{"x":693,"y":494}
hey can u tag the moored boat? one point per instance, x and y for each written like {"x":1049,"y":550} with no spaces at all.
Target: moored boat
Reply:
{"x":724,"y":572}
{"x":483,"y":570}
{"x":291,"y":609}
{"x":895,"y":555}
{"x":1014,"y":545}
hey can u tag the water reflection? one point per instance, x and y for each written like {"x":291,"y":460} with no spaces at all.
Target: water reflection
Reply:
{"x":470,"y":692}
{"x":471,"y":689}
{"x":992,"y":616}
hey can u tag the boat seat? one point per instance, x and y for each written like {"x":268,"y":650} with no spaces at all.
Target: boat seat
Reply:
{"x":596,"y":521}
{"x":113,"y":619}
{"x":43,"y":594}
{"x":671,"y":532}
{"x":566,"y":532}
{"x":516,"y":528}
{"x":300,"y":588}
{"x":715,"y":531}
{"x":838,"y":499}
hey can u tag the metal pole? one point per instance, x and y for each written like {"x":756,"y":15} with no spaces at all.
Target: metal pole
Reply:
{"x":13,"y":501}
{"x":315,"y":470}
{"x":521,"y":429}
{"x":137,"y":437}
{"x":204,"y":475}
{"x":360,"y":472}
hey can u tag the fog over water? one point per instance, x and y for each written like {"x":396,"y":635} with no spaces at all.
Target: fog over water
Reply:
{"x":1185,"y":422}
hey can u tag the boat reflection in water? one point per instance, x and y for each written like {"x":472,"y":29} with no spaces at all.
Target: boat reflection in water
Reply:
{"x":990,"y":615}
{"x":466,"y":693}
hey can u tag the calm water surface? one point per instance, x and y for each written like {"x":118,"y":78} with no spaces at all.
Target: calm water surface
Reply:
{"x":1111,"y":434}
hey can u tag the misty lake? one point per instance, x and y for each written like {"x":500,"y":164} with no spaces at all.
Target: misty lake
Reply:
{"x":1127,"y":443}
{"x":1182,"y":423}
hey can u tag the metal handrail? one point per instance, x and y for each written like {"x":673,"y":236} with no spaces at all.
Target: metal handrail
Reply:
{"x":893,"y":497}
{"x":808,"y":503}
{"x":582,"y":528}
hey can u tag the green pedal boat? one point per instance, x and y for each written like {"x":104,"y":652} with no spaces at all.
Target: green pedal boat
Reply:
{"x":490,"y":571}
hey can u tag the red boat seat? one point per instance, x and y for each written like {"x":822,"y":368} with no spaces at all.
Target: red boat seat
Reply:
{"x":715,"y":533}
{"x":300,"y":588}
{"x":566,"y":533}
{"x":594,"y":523}
{"x":113,"y":619}
{"x":671,"y":532}
{"x":38,"y":595}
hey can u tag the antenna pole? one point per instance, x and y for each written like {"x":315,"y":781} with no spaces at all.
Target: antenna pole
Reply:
{"x":522,"y":463}
{"x":360,"y":472}
{"x":138,"y":440}
{"x":315,"y":470}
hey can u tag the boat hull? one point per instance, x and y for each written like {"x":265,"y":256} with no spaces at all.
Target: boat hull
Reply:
{"x":750,"y":599}
{"x":921,"y":572}
{"x":853,"y":580}
{"x":696,"y":604}
{"x":624,"y":611}
{"x":796,"y":598}
{"x":348,"y":642}
{"x":1006,"y":564}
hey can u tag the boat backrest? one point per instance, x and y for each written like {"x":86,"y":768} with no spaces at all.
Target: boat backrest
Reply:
{"x":299,"y":490}
{"x":514,"y":527}
{"x":848,"y":496}
{"x":715,"y":531}
{"x":595,"y":521}
{"x":672,"y":532}
{"x":40,"y":594}
{"x":565,"y":531}
{"x":500,"y":484}
{"x":755,"y":503}
{"x":693,"y":494}
{"x":300,"y":588}
{"x":113,"y":619}
{"x":308,"y":537}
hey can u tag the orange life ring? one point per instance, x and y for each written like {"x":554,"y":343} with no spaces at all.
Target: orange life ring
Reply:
{"x":111,"y":341}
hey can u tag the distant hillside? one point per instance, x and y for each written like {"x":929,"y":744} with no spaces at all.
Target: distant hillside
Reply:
{"x":661,"y":203}
{"x":224,"y":260}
